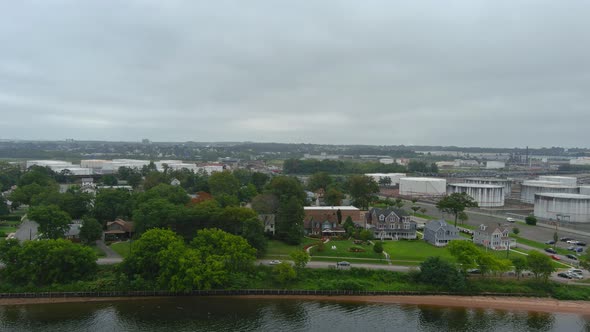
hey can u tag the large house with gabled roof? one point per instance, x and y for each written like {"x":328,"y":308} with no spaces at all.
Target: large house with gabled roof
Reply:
{"x":390,"y":224}
{"x":439,"y":233}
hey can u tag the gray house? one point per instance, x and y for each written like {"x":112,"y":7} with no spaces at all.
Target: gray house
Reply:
{"x":391,"y":224}
{"x":439,"y":233}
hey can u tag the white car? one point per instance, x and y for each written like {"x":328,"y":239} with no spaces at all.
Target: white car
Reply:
{"x":510,"y":220}
{"x":275,"y":262}
{"x":575,"y":275}
{"x":572,"y":241}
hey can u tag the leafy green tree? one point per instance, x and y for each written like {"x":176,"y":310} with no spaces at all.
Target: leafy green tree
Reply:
{"x":233,"y":251}
{"x":385,"y":181}
{"x":516,"y":230}
{"x":9,"y":175}
{"x":439,"y":272}
{"x":259,"y":180}
{"x":155,"y":213}
{"x":349,"y":225}
{"x":265,"y":203}
{"x":455,"y":204}
{"x":109,"y":180}
{"x":110,"y":204}
{"x":333,"y":197}
{"x":90,"y":231}
{"x":300,"y":258}
{"x":366,"y":235}
{"x":253,"y":232}
{"x":224,"y":183}
{"x":173,"y":194}
{"x":378,"y":247}
{"x":46,"y":262}
{"x":530,"y":220}
{"x":362,"y":189}
{"x":465,"y":253}
{"x":540,"y":265}
{"x":283,"y":273}
{"x":53,"y":222}
{"x":319,"y":180}
{"x":76,"y":203}
{"x":4,"y":208}
{"x":42,"y":176}
{"x":154,"y":178}
{"x":520,"y":264}
{"x":289,"y":221}
{"x":28,"y":194}
{"x":285,"y":187}
{"x":247,"y":192}
{"x":489,"y":263}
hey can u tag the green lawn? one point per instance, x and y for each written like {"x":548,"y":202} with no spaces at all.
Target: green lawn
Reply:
{"x":342,"y":250}
{"x":351,"y":260}
{"x":414,"y":250}
{"x":538,"y":245}
{"x":278,"y":248}
{"x":122,"y":248}
{"x":98,"y":251}
{"x":7,"y":229}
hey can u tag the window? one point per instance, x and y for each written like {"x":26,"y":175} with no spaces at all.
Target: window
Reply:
{"x":381,"y":217}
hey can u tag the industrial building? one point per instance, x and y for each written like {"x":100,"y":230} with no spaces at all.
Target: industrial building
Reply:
{"x":394,"y":177}
{"x":532,"y":187}
{"x":584,"y":190}
{"x":494,"y":164}
{"x":507,"y":184}
{"x":567,"y":180}
{"x":563,"y":207}
{"x":486,"y":195}
{"x":409,"y":186}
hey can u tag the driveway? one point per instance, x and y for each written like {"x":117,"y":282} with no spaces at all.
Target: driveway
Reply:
{"x":27,"y":230}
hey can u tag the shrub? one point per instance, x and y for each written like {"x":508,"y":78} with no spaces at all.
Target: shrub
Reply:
{"x":531,"y":220}
{"x":378,"y":247}
{"x":515,"y":230}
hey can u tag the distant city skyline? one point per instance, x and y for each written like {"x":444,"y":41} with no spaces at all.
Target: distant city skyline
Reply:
{"x":469,"y":73}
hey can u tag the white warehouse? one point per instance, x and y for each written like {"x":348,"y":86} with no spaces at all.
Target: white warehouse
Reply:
{"x":422,"y":186}
{"x":486,"y":195}
{"x":566,"y":207}
{"x":585,"y":190}
{"x":528,"y":189}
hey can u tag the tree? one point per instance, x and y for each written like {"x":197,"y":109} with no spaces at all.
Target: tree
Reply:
{"x":259,"y":180}
{"x":284,"y":273}
{"x":247,"y":192}
{"x":4,"y":208}
{"x":232,"y":251}
{"x":333,"y":197}
{"x":109,"y":180}
{"x":555,"y":239}
{"x":265,"y":203}
{"x":90,"y":231}
{"x":285,"y":188}
{"x":520,"y":264}
{"x":463,"y":217}
{"x":76,"y":202}
{"x":300,"y":258}
{"x":456,"y":203}
{"x":223,"y":183}
{"x":378,"y":247}
{"x":156,"y":213}
{"x":53,"y":222}
{"x":385,"y":181}
{"x":9,"y":175}
{"x":349,"y":225}
{"x":530,"y":220}
{"x":366,"y":235}
{"x":489,"y":263}
{"x":110,"y":204}
{"x":289,"y":221}
{"x":253,"y":232}
{"x":339,"y":216}
{"x":319,"y":180}
{"x":415,"y":209}
{"x":465,"y":253}
{"x":439,"y":272}
{"x":516,"y":230}
{"x":46,"y":262}
{"x":362,"y":189}
{"x":173,"y":194}
{"x":540,"y":265}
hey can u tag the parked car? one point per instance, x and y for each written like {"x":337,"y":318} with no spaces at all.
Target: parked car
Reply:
{"x":571,"y":241}
{"x":275,"y":262}
{"x":575,"y":275}
{"x":550,"y":242}
{"x":571,"y":248}
{"x":343,"y":263}
{"x":579,"y":249}
{"x":510,"y":220}
{"x":555,"y":257}
{"x":583,"y":244}
{"x":576,"y":271}
{"x":572,"y":257}
{"x":565,"y":239}
{"x":551,"y":250}
{"x":474,"y":271}
{"x":564,"y":275}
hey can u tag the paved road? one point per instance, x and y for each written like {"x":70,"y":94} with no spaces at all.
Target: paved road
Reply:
{"x":27,"y":230}
{"x":325,"y":265}
{"x":110,"y":253}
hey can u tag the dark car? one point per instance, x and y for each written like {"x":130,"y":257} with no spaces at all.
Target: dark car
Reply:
{"x":551,"y":250}
{"x":550,"y":242}
{"x":565,"y":239}
{"x":579,"y":249}
{"x":583,"y":244}
{"x":564,"y":275}
{"x":570,"y":256}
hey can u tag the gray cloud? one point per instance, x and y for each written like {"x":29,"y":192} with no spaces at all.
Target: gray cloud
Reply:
{"x":487,"y":73}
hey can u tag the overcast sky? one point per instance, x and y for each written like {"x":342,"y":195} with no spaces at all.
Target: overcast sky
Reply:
{"x":468,"y":73}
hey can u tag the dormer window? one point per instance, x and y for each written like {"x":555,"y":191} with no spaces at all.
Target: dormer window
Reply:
{"x":381,"y":217}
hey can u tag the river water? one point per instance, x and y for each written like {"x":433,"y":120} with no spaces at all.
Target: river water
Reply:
{"x":238,"y":314}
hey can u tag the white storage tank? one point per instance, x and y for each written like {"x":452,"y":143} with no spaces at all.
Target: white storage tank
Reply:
{"x":493,"y":164}
{"x":528,"y":189}
{"x":422,"y":186}
{"x":585,"y":190}
{"x":486,"y":195}
{"x":507,"y":184}
{"x":567,"y":180}
{"x":565,"y":207}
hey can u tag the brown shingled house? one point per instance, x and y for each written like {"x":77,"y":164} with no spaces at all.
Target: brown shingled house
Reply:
{"x":119,"y":230}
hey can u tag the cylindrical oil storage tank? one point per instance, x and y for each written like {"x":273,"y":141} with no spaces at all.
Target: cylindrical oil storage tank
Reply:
{"x":528,"y":189}
{"x":565,"y":207}
{"x":567,"y":180}
{"x":584,"y":190}
{"x":486,"y":195}
{"x":409,"y":186}
{"x":507,"y":184}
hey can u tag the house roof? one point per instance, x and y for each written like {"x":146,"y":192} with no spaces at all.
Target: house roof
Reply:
{"x":331,"y":208}
{"x":128,"y":226}
{"x":388,"y":211}
{"x":435,"y":225}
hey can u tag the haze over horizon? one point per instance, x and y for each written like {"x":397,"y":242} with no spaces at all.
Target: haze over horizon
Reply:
{"x":471,"y":73}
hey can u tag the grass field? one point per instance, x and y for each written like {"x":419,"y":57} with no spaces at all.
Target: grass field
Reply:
{"x":413,"y":250}
{"x":7,"y":229}
{"x":342,"y":250}
{"x":121,"y":248}
{"x":98,"y":252}
{"x":278,"y":248}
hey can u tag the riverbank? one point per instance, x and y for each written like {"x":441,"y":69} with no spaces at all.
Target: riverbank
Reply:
{"x":480,"y":302}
